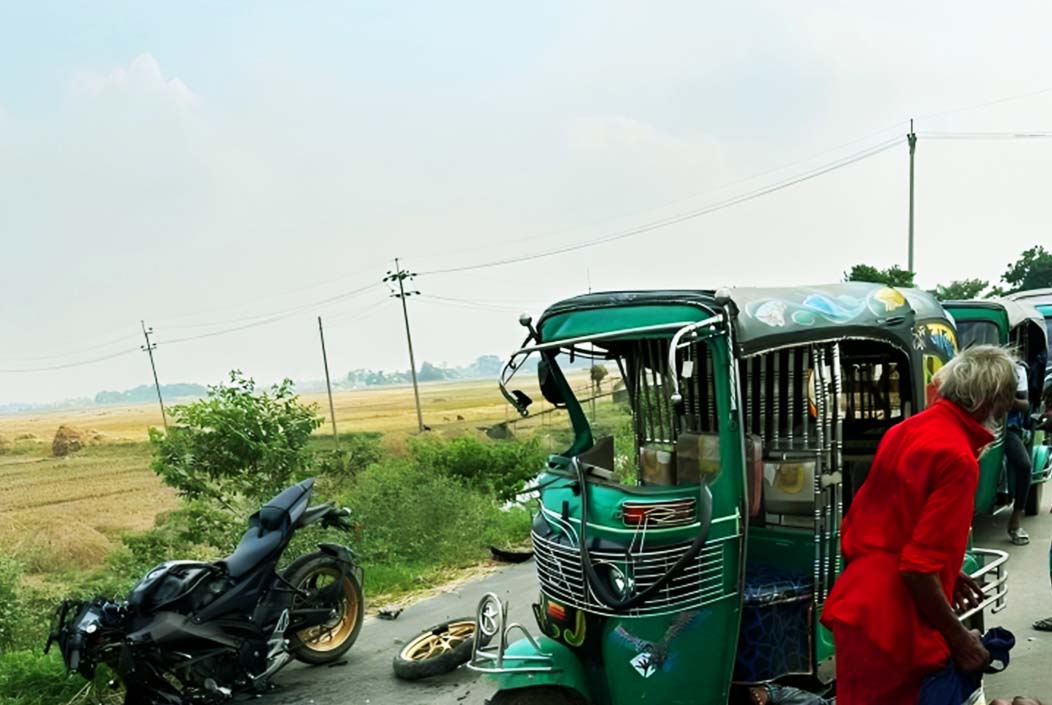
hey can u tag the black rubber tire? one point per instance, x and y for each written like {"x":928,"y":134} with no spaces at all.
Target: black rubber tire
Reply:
{"x":1033,"y":500}
{"x":411,"y":670}
{"x":541,"y":695}
{"x":296,"y":573}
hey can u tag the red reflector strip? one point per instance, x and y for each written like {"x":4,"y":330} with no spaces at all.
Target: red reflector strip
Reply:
{"x":556,"y":611}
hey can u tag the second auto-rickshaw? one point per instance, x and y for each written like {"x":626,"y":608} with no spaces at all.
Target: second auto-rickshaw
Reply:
{"x":754,"y":416}
{"x":1019,"y":325}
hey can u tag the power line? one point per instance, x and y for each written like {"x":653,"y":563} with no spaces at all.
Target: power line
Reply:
{"x":986,"y":104}
{"x":69,"y":365}
{"x":272,"y":319}
{"x":714,"y":190}
{"x":689,"y":215}
{"x":286,"y":292}
{"x":73,"y":353}
{"x":466,"y":303}
{"x":1032,"y":135}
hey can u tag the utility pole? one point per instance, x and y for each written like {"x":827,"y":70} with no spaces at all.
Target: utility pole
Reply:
{"x":328,"y":385}
{"x":149,"y":347}
{"x":400,"y":275}
{"x":912,"y":139}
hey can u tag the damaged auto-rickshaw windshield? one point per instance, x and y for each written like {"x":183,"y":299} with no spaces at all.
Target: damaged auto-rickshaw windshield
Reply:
{"x":627,"y":394}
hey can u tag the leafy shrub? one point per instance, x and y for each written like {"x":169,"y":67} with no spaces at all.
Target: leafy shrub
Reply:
{"x":10,"y":610}
{"x":405,"y":513}
{"x":500,"y":469}
{"x":357,"y":451}
{"x":236,"y":442}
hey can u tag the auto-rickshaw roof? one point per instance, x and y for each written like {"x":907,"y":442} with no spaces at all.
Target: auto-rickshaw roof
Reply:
{"x":768,"y":317}
{"x":1018,"y":311}
{"x":924,"y":305}
{"x":1035,"y":297}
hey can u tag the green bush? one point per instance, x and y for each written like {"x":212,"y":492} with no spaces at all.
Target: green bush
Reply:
{"x":405,"y":513}
{"x":11,"y":615}
{"x":501,"y":469}
{"x":357,"y":451}
{"x":236,"y":442}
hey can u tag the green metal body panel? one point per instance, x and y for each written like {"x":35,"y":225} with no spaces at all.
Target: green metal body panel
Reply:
{"x":972,"y":562}
{"x":567,"y":671}
{"x":992,"y":461}
{"x":598,"y":656}
{"x":597,"y":321}
{"x":694,"y":667}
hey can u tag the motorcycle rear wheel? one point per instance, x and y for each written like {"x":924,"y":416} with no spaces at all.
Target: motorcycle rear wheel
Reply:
{"x":328,"y":642}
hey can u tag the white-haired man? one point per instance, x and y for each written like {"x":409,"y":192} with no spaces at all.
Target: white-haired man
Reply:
{"x":891,"y":610}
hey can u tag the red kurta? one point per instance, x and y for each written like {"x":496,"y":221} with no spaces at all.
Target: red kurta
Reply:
{"x":912,"y":514}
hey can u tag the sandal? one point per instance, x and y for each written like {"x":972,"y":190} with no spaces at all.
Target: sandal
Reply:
{"x":1019,"y":537}
{"x":1043,"y":625}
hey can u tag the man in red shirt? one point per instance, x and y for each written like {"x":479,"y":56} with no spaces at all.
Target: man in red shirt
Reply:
{"x":904,"y":540}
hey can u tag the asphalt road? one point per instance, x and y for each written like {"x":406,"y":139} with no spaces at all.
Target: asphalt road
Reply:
{"x":366,"y":677}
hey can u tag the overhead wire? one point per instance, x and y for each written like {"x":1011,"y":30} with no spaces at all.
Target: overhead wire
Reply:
{"x":682,"y":217}
{"x":66,"y":366}
{"x":898,"y":125}
{"x":271,"y":319}
{"x":1031,"y":135}
{"x":73,"y":353}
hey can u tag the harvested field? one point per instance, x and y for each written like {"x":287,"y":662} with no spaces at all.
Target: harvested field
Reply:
{"x":60,"y":513}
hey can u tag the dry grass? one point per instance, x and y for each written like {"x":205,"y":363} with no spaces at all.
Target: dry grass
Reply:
{"x":63,"y":513}
{"x":389,"y":410}
{"x":60,"y":513}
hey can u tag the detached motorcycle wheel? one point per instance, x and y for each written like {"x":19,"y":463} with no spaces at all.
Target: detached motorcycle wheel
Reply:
{"x":328,"y":642}
{"x":437,"y":650}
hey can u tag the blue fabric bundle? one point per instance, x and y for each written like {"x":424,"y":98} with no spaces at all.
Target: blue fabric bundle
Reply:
{"x":951,"y":687}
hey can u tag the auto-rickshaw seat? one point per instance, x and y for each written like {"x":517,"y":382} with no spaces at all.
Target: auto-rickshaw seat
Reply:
{"x":775,"y":627}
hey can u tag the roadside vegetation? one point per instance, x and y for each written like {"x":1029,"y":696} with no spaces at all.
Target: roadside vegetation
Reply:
{"x":423,"y":511}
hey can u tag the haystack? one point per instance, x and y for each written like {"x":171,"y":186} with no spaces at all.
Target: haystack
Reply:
{"x":67,"y":440}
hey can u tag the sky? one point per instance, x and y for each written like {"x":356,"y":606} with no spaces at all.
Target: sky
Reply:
{"x":212,"y":166}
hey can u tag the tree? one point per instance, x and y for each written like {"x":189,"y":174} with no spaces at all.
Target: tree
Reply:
{"x":892,"y":276}
{"x":599,"y":373}
{"x":1033,"y":270}
{"x":960,"y":289}
{"x":236,"y":442}
{"x":431,"y":373}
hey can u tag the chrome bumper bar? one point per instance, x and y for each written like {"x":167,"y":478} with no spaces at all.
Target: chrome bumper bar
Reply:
{"x":491,"y":642}
{"x":995,"y":590}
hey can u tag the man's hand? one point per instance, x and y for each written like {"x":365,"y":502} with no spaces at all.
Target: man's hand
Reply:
{"x":967,"y":593}
{"x":968,"y":652}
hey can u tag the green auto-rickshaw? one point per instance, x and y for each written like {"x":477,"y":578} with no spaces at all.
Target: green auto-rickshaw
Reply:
{"x":703,"y":569}
{"x":1041,"y":299}
{"x":1019,"y":325}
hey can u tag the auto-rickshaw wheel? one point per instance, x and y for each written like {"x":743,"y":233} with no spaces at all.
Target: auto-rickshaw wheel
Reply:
{"x":541,"y":695}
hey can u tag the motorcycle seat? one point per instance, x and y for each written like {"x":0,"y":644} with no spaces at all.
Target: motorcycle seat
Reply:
{"x":268,"y":530}
{"x":253,"y":549}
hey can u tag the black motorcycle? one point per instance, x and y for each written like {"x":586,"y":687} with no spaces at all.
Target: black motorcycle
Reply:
{"x":193,"y":632}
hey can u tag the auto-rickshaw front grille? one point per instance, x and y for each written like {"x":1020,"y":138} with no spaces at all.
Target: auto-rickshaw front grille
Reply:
{"x":561,"y":575}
